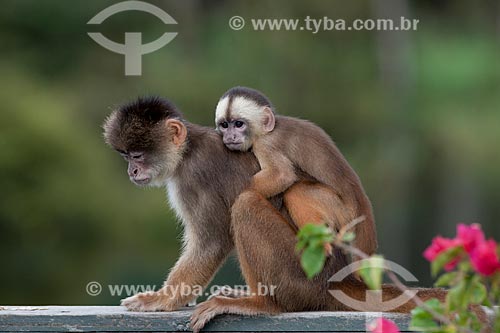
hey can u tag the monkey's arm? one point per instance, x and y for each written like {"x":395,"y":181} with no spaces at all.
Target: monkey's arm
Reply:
{"x":192,"y":272}
{"x":276,"y":175}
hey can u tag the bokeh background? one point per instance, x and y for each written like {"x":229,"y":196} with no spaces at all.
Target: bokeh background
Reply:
{"x":416,"y":113}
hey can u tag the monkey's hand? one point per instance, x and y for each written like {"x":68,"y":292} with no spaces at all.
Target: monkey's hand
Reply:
{"x":271,"y":181}
{"x":276,"y":175}
{"x":149,"y":302}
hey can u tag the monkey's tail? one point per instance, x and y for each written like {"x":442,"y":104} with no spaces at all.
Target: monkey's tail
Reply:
{"x":356,"y":290}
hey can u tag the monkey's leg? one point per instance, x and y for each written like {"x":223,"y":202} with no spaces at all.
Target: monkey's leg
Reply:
{"x":315,"y":203}
{"x":188,"y":277}
{"x":309,"y":202}
{"x":265,"y":243}
{"x":304,"y":209}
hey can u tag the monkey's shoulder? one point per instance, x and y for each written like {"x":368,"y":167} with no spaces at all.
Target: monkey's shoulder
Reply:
{"x":297,"y":131}
{"x":207,"y":148}
{"x":207,"y":159}
{"x":292,"y":125}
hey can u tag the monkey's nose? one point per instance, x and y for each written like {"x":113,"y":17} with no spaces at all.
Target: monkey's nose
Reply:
{"x":133,"y":172}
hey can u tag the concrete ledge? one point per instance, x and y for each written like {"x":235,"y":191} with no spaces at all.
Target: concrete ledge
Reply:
{"x":117,"y":318}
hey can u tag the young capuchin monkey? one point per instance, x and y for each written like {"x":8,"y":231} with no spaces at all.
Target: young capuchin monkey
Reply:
{"x":285,"y":146}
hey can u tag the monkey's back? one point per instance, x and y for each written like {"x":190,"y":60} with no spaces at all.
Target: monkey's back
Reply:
{"x":313,"y":151}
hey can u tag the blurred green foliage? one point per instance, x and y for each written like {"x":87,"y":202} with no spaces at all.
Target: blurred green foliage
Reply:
{"x":416,"y":113}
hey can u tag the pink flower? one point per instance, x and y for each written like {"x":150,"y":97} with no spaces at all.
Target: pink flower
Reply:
{"x":484,"y":258}
{"x":382,"y":325}
{"x":470,"y":236}
{"x":439,"y":245}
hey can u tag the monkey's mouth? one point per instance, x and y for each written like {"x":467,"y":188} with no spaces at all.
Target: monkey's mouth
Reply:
{"x":234,"y":145}
{"x":141,"y":182}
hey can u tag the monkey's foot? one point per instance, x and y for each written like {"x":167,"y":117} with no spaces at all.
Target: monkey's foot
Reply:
{"x":206,"y":311}
{"x":147,"y":302}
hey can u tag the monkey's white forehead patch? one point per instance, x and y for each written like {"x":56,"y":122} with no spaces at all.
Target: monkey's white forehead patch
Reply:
{"x":221,"y":109}
{"x":241,"y":107}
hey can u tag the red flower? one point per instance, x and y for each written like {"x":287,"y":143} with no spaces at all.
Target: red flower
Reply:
{"x":484,"y":258}
{"x":382,"y":325}
{"x":470,"y":236}
{"x":439,"y":245}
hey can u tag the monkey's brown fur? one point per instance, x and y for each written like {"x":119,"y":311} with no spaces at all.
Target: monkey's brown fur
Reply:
{"x":340,"y":202}
{"x":284,"y":145}
{"x":204,"y":180}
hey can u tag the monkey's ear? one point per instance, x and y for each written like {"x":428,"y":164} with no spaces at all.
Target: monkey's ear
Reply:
{"x":268,"y":120}
{"x":179,"y":131}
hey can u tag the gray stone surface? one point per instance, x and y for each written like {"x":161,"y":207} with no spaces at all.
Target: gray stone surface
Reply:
{"x":118,"y":319}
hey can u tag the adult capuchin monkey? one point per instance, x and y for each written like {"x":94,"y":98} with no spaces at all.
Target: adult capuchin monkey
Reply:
{"x":284,"y":145}
{"x":205,"y":181}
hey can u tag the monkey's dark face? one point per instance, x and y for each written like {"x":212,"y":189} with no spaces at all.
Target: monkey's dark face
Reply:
{"x":150,"y":136}
{"x":152,"y":168}
{"x":138,"y":169}
{"x":235,"y":134}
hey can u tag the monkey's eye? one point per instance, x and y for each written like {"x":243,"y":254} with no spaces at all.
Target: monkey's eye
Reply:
{"x":224,"y":124}
{"x":136,"y":156}
{"x":239,"y":123}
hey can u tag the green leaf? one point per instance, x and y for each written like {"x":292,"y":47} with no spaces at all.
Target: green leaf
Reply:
{"x":444,"y":258}
{"x":306,"y":231}
{"x":464,"y":266}
{"x":313,"y":230}
{"x":312,"y":261}
{"x":435,"y":305}
{"x":316,"y":242}
{"x":487,"y":303}
{"x":423,"y":320}
{"x":468,"y":319}
{"x":348,"y":237}
{"x":446,"y":279}
{"x":371,"y":271}
{"x":477,"y":291}
{"x":496,"y":326}
{"x":301,"y":244}
{"x":423,"y":323}
{"x":495,"y":288}
{"x":312,"y":239}
{"x":456,"y":297}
